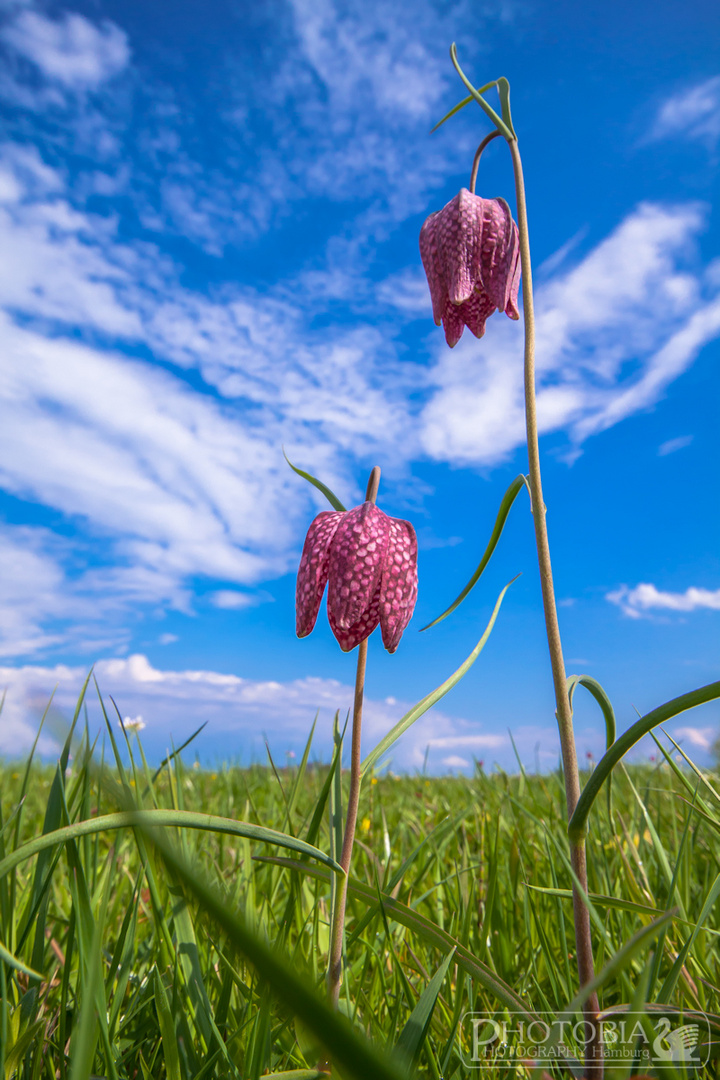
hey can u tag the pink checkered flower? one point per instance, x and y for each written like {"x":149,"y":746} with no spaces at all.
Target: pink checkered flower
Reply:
{"x":471,"y":253}
{"x":369,"y":561}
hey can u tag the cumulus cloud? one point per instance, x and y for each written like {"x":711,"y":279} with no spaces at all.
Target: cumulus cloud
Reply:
{"x":71,"y":50}
{"x":691,"y":113}
{"x":645,"y":598}
{"x":240,"y":711}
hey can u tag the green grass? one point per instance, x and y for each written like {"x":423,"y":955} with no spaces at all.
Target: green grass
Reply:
{"x":157,"y":948}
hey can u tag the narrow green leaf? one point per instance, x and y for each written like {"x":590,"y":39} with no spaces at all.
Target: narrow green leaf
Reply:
{"x":427,"y":702}
{"x":578,"y":823}
{"x":297,"y":1074}
{"x":674,"y":973}
{"x":621,"y":960}
{"x":456,"y":109}
{"x":507,"y":500}
{"x":85,"y":1036}
{"x":599,"y":898}
{"x":167,"y":1029}
{"x":477,"y":94}
{"x":187,"y":819}
{"x":17,"y":1051}
{"x":504,"y":94}
{"x":331,"y":498}
{"x":169,"y":758}
{"x":412,"y":1036}
{"x":594,"y":688}
{"x":13,"y":962}
{"x":354,"y":1054}
{"x":424,"y":928}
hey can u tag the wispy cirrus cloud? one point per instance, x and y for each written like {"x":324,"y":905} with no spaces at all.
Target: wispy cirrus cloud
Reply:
{"x":646,"y":598}
{"x":671,"y":446}
{"x":692,"y":113}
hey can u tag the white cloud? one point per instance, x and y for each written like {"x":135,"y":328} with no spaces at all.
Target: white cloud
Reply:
{"x":71,"y":50}
{"x":468,"y":742}
{"x":693,"y":113}
{"x":232,"y":600}
{"x":356,"y":56}
{"x":612,"y":333}
{"x":454,"y":761}
{"x":240,"y":711}
{"x":671,"y":446}
{"x":647,"y":597}
{"x":139,"y":455}
{"x":700,"y":737}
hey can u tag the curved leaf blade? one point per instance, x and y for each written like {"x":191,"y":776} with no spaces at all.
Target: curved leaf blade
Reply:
{"x":593,"y":687}
{"x":507,"y":500}
{"x":412,"y":1036}
{"x":353,"y":1053}
{"x":425,"y":928}
{"x":477,"y":94}
{"x":329,"y":495}
{"x":504,"y":94}
{"x":578,"y":822}
{"x":147,"y":819}
{"x":427,"y":702}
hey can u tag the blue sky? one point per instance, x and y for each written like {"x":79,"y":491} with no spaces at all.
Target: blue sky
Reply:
{"x":209,"y":220}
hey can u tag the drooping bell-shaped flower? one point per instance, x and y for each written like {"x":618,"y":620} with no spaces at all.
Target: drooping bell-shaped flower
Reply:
{"x":471,"y":253}
{"x":369,"y":562}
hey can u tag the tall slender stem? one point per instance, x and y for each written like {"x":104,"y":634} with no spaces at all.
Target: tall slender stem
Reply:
{"x":583,"y":936}
{"x":334,"y":975}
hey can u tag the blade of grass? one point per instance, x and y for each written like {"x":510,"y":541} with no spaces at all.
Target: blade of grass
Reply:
{"x":507,"y":500}
{"x":331,"y":498}
{"x":187,"y":819}
{"x":431,"y":699}
{"x":412,"y":1036}
{"x":578,"y":822}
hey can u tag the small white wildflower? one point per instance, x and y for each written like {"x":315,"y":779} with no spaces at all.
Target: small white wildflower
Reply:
{"x":132,"y":724}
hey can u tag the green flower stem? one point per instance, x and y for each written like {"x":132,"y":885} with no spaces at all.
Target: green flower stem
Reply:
{"x":583,"y":937}
{"x":478,"y":154}
{"x":334,"y":974}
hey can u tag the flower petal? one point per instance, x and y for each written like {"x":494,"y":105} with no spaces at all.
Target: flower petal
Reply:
{"x":363,"y":628}
{"x":357,"y":555}
{"x":461,"y":244}
{"x":476,"y":311}
{"x":513,"y":284}
{"x":430,"y":261}
{"x":313,"y":572}
{"x":398,"y":589}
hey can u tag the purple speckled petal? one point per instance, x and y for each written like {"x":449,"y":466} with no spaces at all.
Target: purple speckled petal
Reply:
{"x":470,"y":251}
{"x":314,"y":566}
{"x":429,"y":256}
{"x":475,"y":311}
{"x":357,"y":555}
{"x":513,"y":285}
{"x":453,"y":323}
{"x":349,"y":637}
{"x":460,"y":243}
{"x":398,"y":589}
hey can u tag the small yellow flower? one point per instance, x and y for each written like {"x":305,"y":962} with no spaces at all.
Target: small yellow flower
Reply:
{"x":374,"y":780}
{"x":365,"y":826}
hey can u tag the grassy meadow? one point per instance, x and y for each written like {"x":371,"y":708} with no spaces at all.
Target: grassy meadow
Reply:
{"x":153,"y":925}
